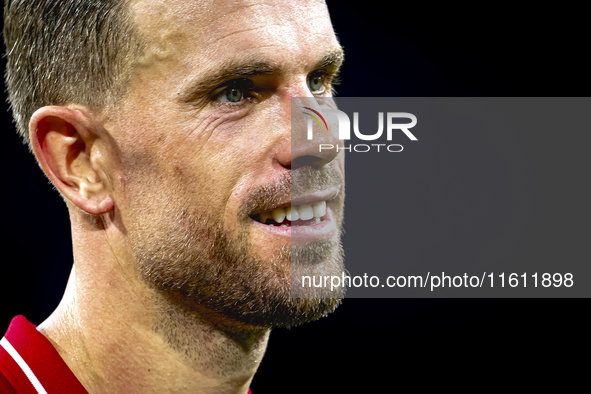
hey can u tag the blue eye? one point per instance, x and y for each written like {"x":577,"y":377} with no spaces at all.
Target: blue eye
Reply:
{"x":232,"y":94}
{"x":235,"y":91}
{"x":315,"y":83}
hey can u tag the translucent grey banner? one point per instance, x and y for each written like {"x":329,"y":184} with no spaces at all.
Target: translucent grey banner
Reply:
{"x":445,"y":197}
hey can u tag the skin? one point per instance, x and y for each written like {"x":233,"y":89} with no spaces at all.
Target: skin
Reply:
{"x":153,"y":182}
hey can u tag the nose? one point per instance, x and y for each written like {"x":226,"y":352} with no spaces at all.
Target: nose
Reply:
{"x":314,"y":139}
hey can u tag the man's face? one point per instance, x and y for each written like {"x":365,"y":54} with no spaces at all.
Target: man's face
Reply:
{"x":204,"y":151}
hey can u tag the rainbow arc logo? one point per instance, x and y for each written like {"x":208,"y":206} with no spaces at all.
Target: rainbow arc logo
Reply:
{"x":316,"y":118}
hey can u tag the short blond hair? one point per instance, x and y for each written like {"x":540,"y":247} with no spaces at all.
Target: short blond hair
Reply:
{"x":63,"y":52}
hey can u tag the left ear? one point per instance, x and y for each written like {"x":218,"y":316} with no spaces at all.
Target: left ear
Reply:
{"x":72,"y":156}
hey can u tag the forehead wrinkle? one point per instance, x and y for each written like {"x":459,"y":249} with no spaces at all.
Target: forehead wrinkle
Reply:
{"x":262,"y":28}
{"x":293,"y":6}
{"x":154,"y":16}
{"x":206,"y":22}
{"x":292,"y":18}
{"x":237,"y":32}
{"x":205,"y":13}
{"x":246,"y":6}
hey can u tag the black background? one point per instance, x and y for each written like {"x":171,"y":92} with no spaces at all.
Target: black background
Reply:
{"x":405,"y":50}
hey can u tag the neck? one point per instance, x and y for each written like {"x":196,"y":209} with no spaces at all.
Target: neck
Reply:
{"x":117,"y":335}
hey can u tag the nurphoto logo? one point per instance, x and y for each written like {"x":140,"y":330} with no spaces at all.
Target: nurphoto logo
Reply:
{"x":344,"y":129}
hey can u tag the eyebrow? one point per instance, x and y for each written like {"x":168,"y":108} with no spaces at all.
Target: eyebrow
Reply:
{"x":248,"y":67}
{"x":332,"y":60}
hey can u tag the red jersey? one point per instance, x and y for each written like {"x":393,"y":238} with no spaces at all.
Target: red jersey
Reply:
{"x":29,"y":364}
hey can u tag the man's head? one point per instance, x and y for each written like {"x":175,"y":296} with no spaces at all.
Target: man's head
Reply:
{"x":182,"y":144}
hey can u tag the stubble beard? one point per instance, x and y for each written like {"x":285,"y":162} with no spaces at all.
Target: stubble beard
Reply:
{"x":190,"y":260}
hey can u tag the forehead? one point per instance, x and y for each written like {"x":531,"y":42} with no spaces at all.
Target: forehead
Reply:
{"x":216,"y":28}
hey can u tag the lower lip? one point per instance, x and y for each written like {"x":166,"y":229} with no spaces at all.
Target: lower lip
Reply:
{"x":304,"y":234}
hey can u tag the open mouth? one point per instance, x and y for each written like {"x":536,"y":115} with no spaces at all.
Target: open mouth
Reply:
{"x":293,"y":215}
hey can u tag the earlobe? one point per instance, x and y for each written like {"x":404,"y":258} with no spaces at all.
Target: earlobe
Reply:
{"x":71,"y":156}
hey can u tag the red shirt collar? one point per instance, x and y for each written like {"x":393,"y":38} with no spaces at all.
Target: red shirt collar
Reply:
{"x":31,"y":365}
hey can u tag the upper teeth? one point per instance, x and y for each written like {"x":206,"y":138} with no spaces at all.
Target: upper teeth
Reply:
{"x":293,"y":213}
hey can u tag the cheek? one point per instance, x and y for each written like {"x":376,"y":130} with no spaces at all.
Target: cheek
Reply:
{"x":202,"y":163}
